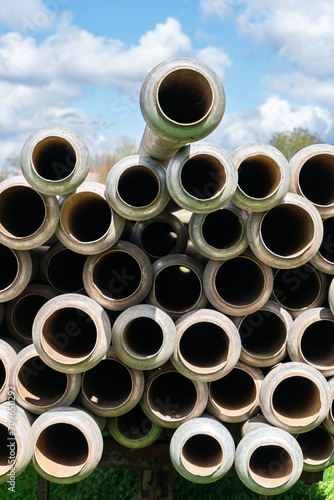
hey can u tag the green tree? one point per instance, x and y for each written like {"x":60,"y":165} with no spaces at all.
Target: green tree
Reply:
{"x":289,"y":143}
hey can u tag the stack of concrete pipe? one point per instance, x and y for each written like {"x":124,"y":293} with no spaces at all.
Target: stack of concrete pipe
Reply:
{"x":190,"y":293}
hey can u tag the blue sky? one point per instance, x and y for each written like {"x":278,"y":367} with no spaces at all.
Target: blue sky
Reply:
{"x":81,"y":65}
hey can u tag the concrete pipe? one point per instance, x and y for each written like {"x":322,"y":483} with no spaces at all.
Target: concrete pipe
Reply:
{"x":16,"y":274}
{"x":118,"y":278}
{"x":220,"y":235}
{"x":68,"y":445}
{"x":263,"y":177}
{"x":21,"y":311}
{"x":295,"y":396}
{"x":144,"y":337}
{"x":136,"y":187}
{"x":324,"y":258}
{"x":264,"y":334}
{"x":235,"y":396}
{"x":7,"y":361}
{"x":331,"y":296}
{"x":38,"y":387}
{"x":318,"y":449}
{"x":111,"y":388}
{"x":311,"y":339}
{"x":71,"y":333}
{"x":299,"y":289}
{"x":329,"y":420}
{"x":182,"y":100}
{"x":312,"y":176}
{"x":170,"y":398}
{"x":134,"y":429}
{"x":16,"y":443}
{"x":288,"y":235}
{"x":201,"y":177}
{"x":238,"y":286}
{"x":177,"y":285}
{"x":28,"y":218}
{"x":268,"y":460}
{"x":55,"y":160}
{"x":202,"y":450}
{"x":62,"y":269}
{"x":162,"y":235}
{"x":87,"y":223}
{"x":208,"y":345}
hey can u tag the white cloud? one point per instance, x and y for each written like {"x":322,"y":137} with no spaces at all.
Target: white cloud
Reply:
{"x":39,"y":80}
{"x":215,"y":58}
{"x":219,"y":9}
{"x":29,"y":15}
{"x":300,"y":32}
{"x":274,"y":115}
{"x":76,"y":55}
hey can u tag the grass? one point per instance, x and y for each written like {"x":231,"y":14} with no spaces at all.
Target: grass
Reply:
{"x":121,"y":484}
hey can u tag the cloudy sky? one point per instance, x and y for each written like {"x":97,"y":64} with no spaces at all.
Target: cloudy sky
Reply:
{"x":81,"y":65}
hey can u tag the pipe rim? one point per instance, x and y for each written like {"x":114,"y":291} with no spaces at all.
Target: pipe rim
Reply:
{"x":232,"y":249}
{"x":48,"y":224}
{"x":126,"y":166}
{"x":142,"y":262}
{"x":268,"y":257}
{"x":185,"y":264}
{"x":223,"y":177}
{"x":209,"y":279}
{"x":249,"y":152}
{"x":166,"y":129}
{"x":78,"y":173}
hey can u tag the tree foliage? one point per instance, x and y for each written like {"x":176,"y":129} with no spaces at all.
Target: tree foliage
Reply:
{"x":289,"y":143}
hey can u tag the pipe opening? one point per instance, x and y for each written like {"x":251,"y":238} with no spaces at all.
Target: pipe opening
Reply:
{"x":24,"y":312}
{"x":8,"y":450}
{"x":3,"y":375}
{"x":204,"y":346}
{"x":134,"y":424}
{"x":22,"y":211}
{"x":185,"y":96}
{"x":9,"y":271}
{"x":287,"y":230}
{"x":261,"y":167}
{"x":158,"y":239}
{"x":64,"y":271}
{"x":240,"y":281}
{"x":233,"y":394}
{"x":171,"y":396}
{"x":61,"y":450}
{"x":316,"y":179}
{"x":143,"y":337}
{"x":270,"y":466}
{"x":203,"y":176}
{"x":317,"y":446}
{"x":40,"y":385}
{"x":297,"y":288}
{"x":108,"y":385}
{"x":317,"y":344}
{"x":202,"y":455}
{"x":326,"y":249}
{"x":296,"y":401}
{"x":138,"y":186}
{"x":117,"y":274}
{"x":222,"y":229}
{"x":86,"y":217}
{"x":69,"y":335}
{"x":262,"y":333}
{"x":54,"y":159}
{"x":177,"y":288}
